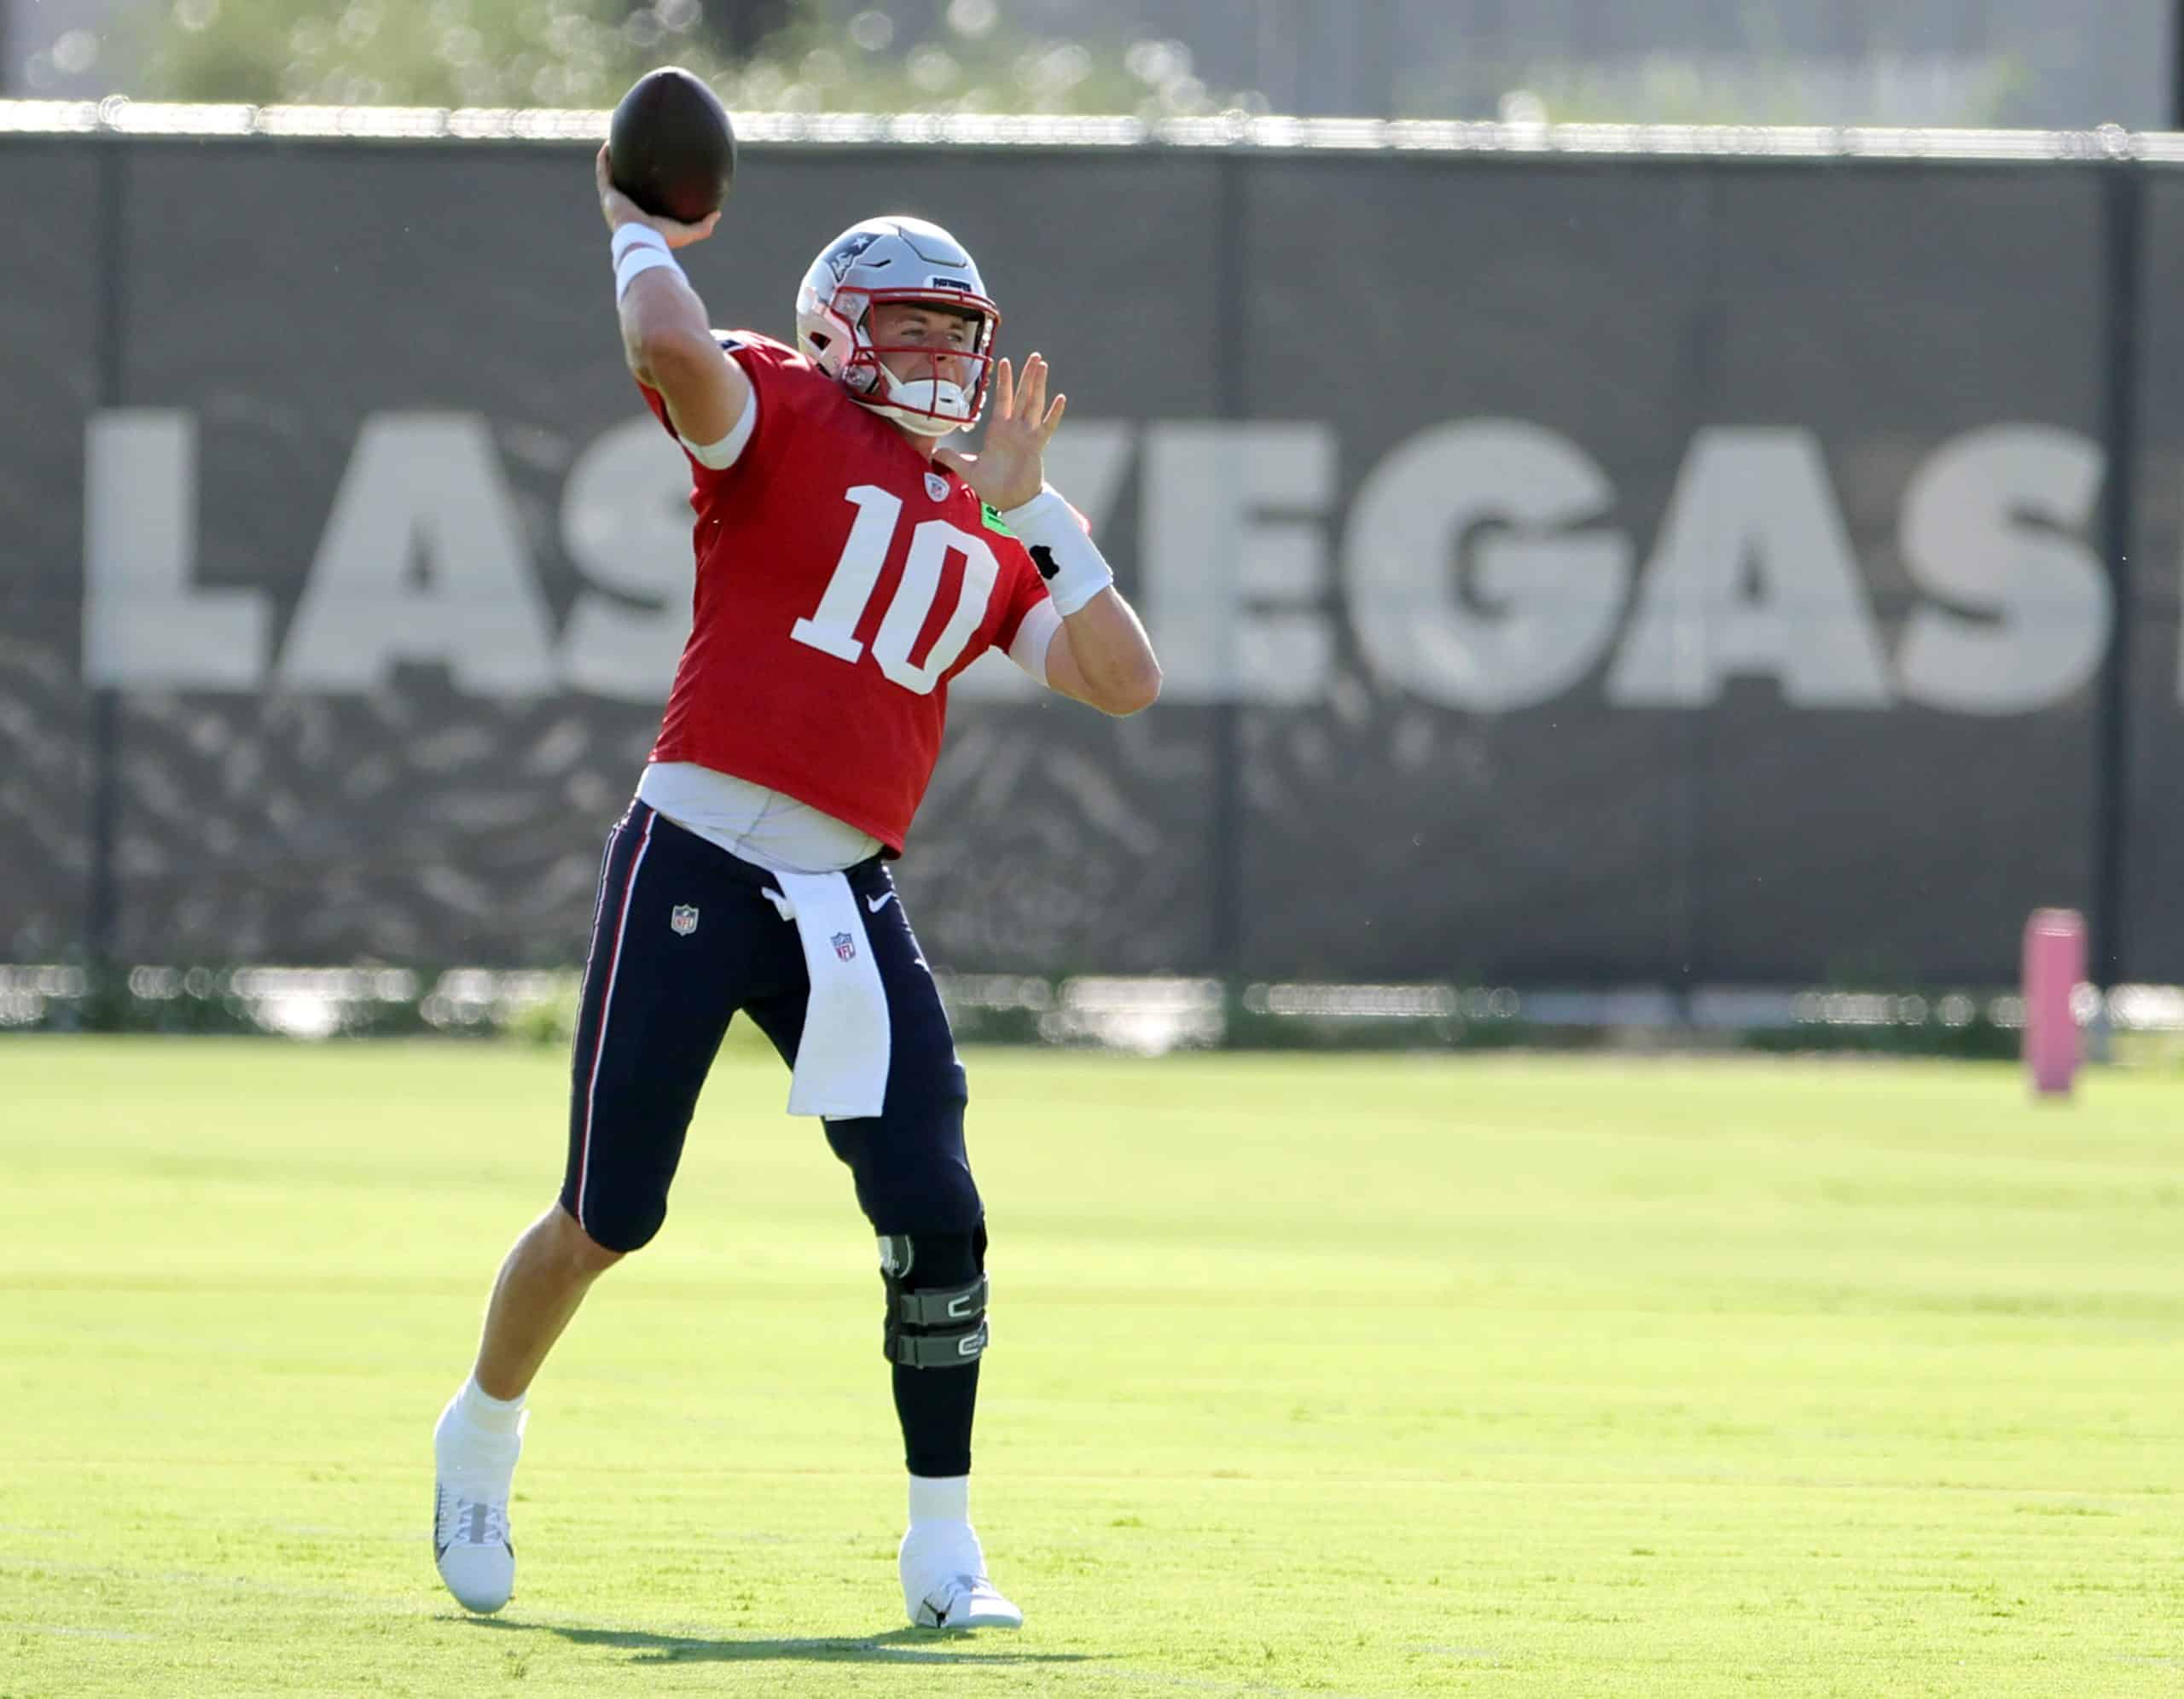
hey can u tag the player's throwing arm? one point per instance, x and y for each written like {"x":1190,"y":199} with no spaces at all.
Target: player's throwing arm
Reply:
{"x":665,"y":338}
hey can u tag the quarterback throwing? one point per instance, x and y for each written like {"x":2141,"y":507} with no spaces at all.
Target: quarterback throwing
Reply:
{"x":848,"y":568}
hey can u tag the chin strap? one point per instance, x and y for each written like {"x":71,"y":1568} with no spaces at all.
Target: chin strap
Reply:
{"x":896,"y":403}
{"x":919,"y":424}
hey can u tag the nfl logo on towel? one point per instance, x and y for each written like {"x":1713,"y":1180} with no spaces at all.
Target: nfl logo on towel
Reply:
{"x":684,"y":919}
{"x":844,"y":947}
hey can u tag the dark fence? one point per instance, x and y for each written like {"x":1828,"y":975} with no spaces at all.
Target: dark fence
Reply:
{"x":1576,"y":571}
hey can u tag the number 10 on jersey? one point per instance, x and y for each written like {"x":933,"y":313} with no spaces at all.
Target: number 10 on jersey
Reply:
{"x":834,"y":623}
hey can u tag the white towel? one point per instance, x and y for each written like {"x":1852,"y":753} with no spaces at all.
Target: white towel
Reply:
{"x":841,"y":1061}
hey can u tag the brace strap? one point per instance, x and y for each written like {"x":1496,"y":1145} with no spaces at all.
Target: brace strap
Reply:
{"x":953,"y":1350}
{"x":954,"y":1306}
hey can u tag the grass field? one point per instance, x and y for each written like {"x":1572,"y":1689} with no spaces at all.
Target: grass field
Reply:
{"x":1356,"y":1375}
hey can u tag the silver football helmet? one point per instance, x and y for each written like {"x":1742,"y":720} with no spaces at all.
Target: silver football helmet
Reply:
{"x":882,"y":260}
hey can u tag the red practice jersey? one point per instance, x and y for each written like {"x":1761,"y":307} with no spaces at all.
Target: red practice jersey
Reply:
{"x":842,"y":579}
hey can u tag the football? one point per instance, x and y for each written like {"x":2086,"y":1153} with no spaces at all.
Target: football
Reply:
{"x":670,"y":147}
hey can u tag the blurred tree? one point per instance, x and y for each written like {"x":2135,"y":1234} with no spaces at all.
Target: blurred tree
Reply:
{"x":740,"y":26}
{"x":805,"y":55}
{"x":413,"y":52}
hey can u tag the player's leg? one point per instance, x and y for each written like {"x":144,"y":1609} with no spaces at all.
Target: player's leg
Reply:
{"x":658,"y":992}
{"x":913,"y":1179}
{"x":535,"y":1297}
{"x":479,"y":1435}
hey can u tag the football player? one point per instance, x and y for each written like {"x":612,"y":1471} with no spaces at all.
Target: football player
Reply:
{"x":848,"y":566}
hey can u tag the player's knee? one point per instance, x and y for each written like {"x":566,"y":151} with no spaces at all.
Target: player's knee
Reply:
{"x":935,"y":1297}
{"x":940,"y":1197}
{"x":592,"y":1248}
{"x":910,"y":1166}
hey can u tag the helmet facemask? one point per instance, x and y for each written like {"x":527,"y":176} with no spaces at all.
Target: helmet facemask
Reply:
{"x":931,"y":406}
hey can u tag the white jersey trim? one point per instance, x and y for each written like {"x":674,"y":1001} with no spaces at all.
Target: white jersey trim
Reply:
{"x":720,"y":456}
{"x":769,"y":828}
{"x":1034,"y":637}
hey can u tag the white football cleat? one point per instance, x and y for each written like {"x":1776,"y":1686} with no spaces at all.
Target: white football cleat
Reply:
{"x":944,"y":1581}
{"x":471,"y":1545}
{"x":471,"y":1542}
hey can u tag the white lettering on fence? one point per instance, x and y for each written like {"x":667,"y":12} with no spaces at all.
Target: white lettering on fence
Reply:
{"x":625,"y":522}
{"x":1470,"y":581}
{"x":423,"y":559}
{"x":1482,"y":568}
{"x":1753,"y":576}
{"x":2022,"y":611}
{"x":1235,"y":556}
{"x":146,"y":627}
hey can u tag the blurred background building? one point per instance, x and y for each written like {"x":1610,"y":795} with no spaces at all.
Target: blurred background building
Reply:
{"x":2034,"y":63}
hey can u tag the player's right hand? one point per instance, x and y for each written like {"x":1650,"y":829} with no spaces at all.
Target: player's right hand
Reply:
{"x":1009,"y":469}
{"x":619,"y":210}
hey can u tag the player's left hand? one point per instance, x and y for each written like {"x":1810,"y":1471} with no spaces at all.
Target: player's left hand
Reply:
{"x":1009,"y":467}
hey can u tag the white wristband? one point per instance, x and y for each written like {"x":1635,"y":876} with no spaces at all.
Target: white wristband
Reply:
{"x":1069,"y":560}
{"x":638,"y":249}
{"x":640,"y":261}
{"x":628,"y":236}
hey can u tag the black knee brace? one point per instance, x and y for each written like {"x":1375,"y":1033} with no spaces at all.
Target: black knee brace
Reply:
{"x":935,"y":1298}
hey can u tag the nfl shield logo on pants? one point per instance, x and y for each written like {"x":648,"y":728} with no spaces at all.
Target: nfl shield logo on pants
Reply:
{"x":844,"y":947}
{"x":684,"y":919}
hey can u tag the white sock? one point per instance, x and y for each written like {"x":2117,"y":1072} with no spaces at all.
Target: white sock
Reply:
{"x":488,"y":1414}
{"x":940,"y":1498}
{"x":478,"y":1441}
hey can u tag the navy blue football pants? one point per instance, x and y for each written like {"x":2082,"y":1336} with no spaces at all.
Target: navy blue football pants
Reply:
{"x":682,"y":939}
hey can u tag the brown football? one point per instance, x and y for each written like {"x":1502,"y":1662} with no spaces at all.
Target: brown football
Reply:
{"x":670,"y":147}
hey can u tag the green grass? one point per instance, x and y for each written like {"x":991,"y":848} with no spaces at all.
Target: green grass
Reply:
{"x":1353,"y":1375}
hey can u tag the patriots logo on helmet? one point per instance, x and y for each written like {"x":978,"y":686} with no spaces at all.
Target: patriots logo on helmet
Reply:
{"x":843,"y":253}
